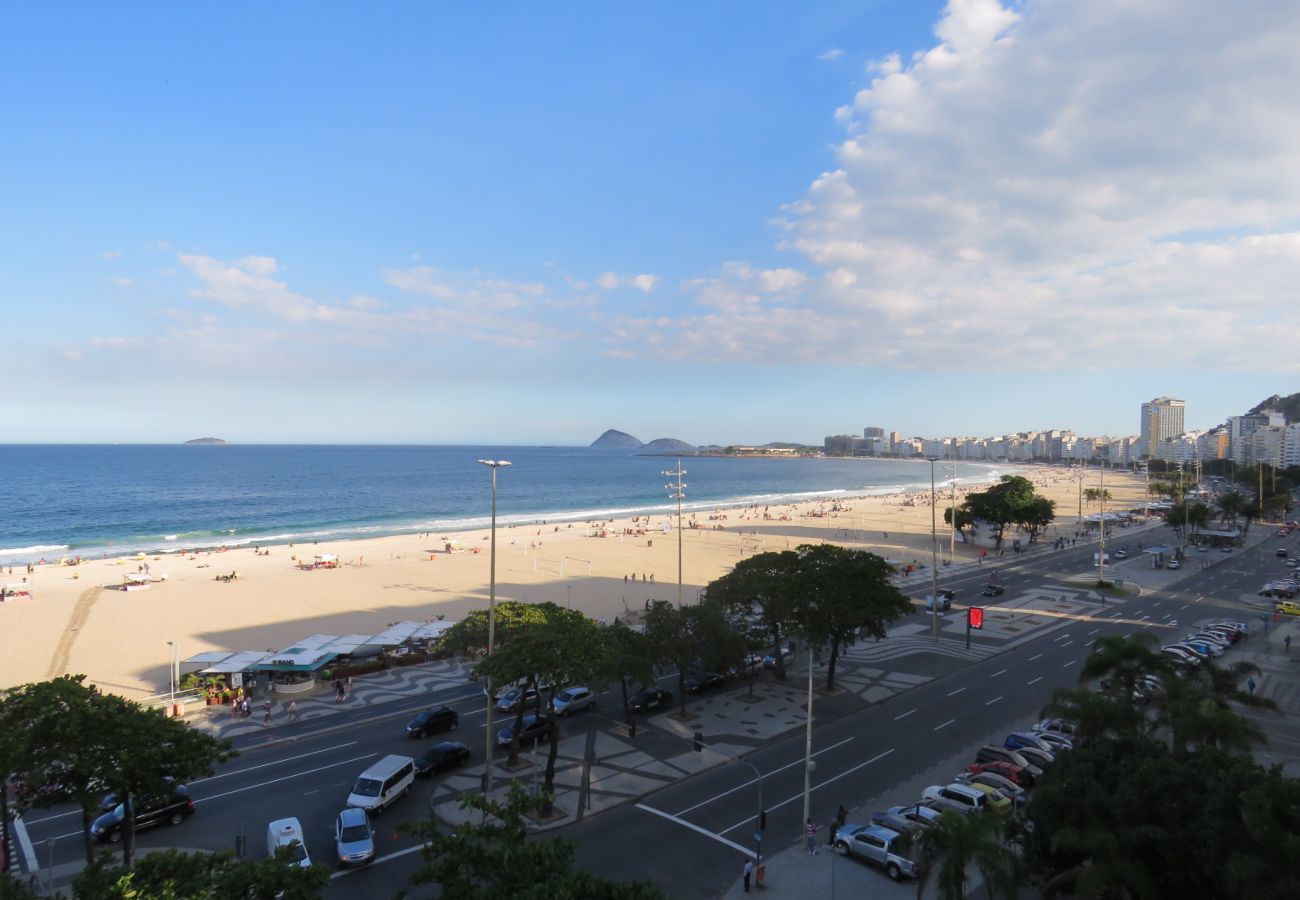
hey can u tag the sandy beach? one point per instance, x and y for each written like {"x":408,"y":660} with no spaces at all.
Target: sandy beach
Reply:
{"x":78,"y":620}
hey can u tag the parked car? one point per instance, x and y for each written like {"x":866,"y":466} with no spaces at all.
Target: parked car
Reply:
{"x":1035,"y":757}
{"x":534,"y":728}
{"x":787,"y":657}
{"x":894,"y":852}
{"x":1060,"y":726}
{"x":649,"y":698}
{"x":288,"y":833}
{"x":939,"y":804}
{"x":1204,"y":646}
{"x":434,"y":719}
{"x":1013,"y":773}
{"x":892,"y":822}
{"x":1018,"y":739}
{"x":442,"y":755}
{"x":993,"y":590}
{"x":354,"y":841}
{"x":1281,"y":551}
{"x":964,"y":794}
{"x":994,"y":798}
{"x":1055,"y":741}
{"x":993,"y":780}
{"x":698,"y":682}
{"x":107,"y":828}
{"x":1173,"y":564}
{"x":572,"y":700}
{"x":751,"y":664}
{"x":922,"y":816}
{"x":989,"y":753}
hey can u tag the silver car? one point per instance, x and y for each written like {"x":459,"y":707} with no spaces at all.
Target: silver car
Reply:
{"x":572,"y":700}
{"x":353,"y":839}
{"x":888,"y":849}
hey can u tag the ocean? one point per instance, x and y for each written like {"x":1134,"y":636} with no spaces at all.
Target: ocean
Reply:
{"x":95,"y":500}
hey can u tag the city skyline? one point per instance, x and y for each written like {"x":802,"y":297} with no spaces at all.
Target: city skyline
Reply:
{"x":721,"y":224}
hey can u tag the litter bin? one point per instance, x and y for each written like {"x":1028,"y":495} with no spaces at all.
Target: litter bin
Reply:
{"x":178,"y":710}
{"x":760,"y":873}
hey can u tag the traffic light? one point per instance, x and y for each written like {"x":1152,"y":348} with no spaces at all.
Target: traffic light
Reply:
{"x":699,"y":741}
{"x":976,"y":616}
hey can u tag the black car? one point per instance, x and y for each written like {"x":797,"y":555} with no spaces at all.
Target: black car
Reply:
{"x":698,"y":682}
{"x":535,"y":728}
{"x":649,"y":698}
{"x":442,"y":755}
{"x":994,"y":590}
{"x":434,"y":719}
{"x":108,"y":827}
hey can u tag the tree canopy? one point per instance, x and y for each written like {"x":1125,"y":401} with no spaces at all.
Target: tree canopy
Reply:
{"x":1010,"y":502}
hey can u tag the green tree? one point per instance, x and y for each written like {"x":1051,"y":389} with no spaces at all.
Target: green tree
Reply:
{"x":1121,"y":661}
{"x":959,"y":841}
{"x":1197,"y":709}
{"x":1011,"y":501}
{"x":1230,"y":504}
{"x":491,"y":855}
{"x":965,"y":520}
{"x":166,"y":874}
{"x":1097,"y":715}
{"x":629,"y":657}
{"x":764,"y":586}
{"x":844,"y":596}
{"x":1193,"y":516}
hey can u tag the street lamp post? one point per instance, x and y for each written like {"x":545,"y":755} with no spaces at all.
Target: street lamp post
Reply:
{"x":171,"y":670}
{"x":677,"y":491}
{"x":952,"y":515}
{"x":934,"y":558}
{"x":808,"y":764}
{"x":489,"y":739}
{"x":1101,"y":550}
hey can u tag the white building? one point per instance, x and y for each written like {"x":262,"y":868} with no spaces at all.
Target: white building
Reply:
{"x":1162,"y":418}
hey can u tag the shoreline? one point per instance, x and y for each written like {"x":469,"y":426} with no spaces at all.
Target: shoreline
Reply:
{"x":212,"y":541}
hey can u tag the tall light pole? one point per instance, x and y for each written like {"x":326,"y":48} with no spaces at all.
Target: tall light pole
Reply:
{"x":171,"y":669}
{"x":934,"y":558}
{"x":808,"y":764}
{"x":1101,"y":550}
{"x":489,"y":739}
{"x":677,"y":491}
{"x":952,"y":515}
{"x":1146,"y":491}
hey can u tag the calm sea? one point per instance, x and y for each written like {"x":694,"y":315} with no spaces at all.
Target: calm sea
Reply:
{"x":91,"y":500}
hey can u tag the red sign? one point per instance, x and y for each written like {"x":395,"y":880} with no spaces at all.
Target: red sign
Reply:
{"x":975,"y":616}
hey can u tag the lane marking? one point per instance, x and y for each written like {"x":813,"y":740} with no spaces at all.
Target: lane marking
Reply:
{"x":815,"y":787}
{"x":1036,"y":680}
{"x":704,"y":831}
{"x":797,"y":762}
{"x":1036,"y":656}
{"x":1094,"y":631}
{"x":994,"y":700}
{"x":904,"y":715}
{"x":956,"y":692}
{"x":25,"y":843}
{"x":1066,"y":644}
{"x":1070,"y":663}
{"x":944,"y":725}
{"x":377,"y":860}
{"x":998,"y":672}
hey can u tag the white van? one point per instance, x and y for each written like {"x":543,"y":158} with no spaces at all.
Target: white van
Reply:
{"x":288,"y":833}
{"x":383,"y":783}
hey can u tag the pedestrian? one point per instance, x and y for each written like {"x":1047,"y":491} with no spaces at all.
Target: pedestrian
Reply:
{"x":293,"y":710}
{"x":338,"y":692}
{"x":1287,"y":640}
{"x":749,"y":870}
{"x":266,"y":720}
{"x":1250,"y":685}
{"x":810,"y":836}
{"x":234,"y":709}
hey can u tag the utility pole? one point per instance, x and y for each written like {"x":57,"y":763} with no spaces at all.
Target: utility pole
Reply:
{"x":489,"y":743}
{"x":952,"y":514}
{"x":934,"y":559}
{"x":677,"y":491}
{"x":808,"y":764}
{"x":1101,"y":552}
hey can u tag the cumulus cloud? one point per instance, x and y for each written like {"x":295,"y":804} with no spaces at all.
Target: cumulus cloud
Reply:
{"x":248,"y":284}
{"x":1053,"y":184}
{"x":609,"y":281}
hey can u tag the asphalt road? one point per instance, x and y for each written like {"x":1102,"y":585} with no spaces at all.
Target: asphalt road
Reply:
{"x":688,"y":837}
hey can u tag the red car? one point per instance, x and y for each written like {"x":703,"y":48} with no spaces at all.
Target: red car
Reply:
{"x":1010,"y":772}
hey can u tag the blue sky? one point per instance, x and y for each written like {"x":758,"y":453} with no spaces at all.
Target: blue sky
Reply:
{"x":722,"y":222}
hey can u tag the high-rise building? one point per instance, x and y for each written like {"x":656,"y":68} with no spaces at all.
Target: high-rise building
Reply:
{"x":873,"y":432}
{"x":1161,"y":418}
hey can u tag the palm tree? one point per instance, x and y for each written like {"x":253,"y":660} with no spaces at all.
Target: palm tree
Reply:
{"x":1095,"y":715}
{"x":1122,"y":660}
{"x":1095,"y":495}
{"x":1197,"y":708}
{"x":965,"y":840}
{"x":1230,"y":504}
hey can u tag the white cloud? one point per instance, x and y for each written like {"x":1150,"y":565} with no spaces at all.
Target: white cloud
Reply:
{"x":833,"y":53}
{"x":1061,"y":183}
{"x":121,"y":282}
{"x":611,"y":280}
{"x":247,"y":284}
{"x":110,"y":254}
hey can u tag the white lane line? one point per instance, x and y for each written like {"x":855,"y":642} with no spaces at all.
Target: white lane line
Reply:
{"x":956,"y":692}
{"x":1035,"y":656}
{"x":704,"y":831}
{"x":275,"y":762}
{"x":1066,"y":644}
{"x":1070,"y":663}
{"x":944,"y":725}
{"x":1036,"y":680}
{"x":1059,"y":637}
{"x":904,"y":715}
{"x":25,"y":843}
{"x":994,"y":700}
{"x":1094,"y":631}
{"x":998,"y":672}
{"x":815,"y":787}
{"x":377,"y":860}
{"x":797,"y":762}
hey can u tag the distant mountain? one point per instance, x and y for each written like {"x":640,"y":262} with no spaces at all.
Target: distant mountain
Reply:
{"x":669,"y":445}
{"x":616,"y":440}
{"x":1289,"y":406}
{"x":207,"y":440}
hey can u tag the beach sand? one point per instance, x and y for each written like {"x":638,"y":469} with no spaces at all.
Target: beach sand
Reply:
{"x":79,"y":621}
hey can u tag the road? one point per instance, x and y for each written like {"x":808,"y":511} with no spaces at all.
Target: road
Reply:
{"x":688,"y":837}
